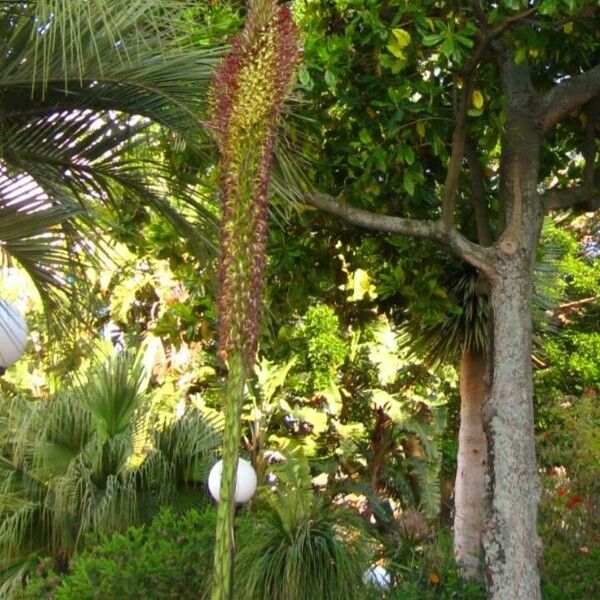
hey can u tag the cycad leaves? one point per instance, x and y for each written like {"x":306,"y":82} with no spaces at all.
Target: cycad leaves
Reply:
{"x":66,"y":468}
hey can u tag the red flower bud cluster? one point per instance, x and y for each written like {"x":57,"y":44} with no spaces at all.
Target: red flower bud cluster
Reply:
{"x":246,"y":99}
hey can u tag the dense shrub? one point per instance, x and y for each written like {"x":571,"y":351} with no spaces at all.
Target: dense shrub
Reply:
{"x":170,"y":558}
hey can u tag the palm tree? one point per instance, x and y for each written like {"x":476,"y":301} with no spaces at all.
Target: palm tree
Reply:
{"x":462,"y":338}
{"x":84,"y":84}
{"x":88,"y":460}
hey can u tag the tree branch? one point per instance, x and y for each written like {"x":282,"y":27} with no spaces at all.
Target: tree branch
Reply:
{"x":569,"y":95}
{"x":509,"y":21}
{"x":478,"y":199}
{"x":458,"y":135}
{"x":479,"y":14}
{"x":578,"y":303}
{"x":560,"y":199}
{"x":476,"y":255}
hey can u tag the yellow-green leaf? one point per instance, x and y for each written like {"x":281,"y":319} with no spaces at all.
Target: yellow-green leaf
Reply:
{"x":520,"y":55}
{"x":361,"y":286}
{"x":402,"y":37}
{"x":396,"y":49}
{"x":477,"y":99}
{"x":568,"y":27}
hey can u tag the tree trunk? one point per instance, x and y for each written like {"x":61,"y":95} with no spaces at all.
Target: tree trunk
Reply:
{"x":510,"y":537}
{"x":469,"y":488}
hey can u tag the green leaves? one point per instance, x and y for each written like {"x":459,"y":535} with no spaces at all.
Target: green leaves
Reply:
{"x":116,"y":392}
{"x":397,"y":46}
{"x":72,"y":464}
{"x":452,"y":41}
{"x":408,"y":183}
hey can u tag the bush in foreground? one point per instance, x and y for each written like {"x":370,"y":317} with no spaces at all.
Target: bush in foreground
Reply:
{"x":169,"y":559}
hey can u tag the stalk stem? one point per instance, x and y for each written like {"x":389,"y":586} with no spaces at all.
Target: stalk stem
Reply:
{"x":222,"y":587}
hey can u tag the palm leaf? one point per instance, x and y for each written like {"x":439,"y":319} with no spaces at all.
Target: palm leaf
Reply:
{"x":82,"y":82}
{"x":39,"y":236}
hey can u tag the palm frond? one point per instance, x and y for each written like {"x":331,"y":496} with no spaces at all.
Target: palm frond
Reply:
{"x":68,"y":465}
{"x":106,"y":55}
{"x":40,"y":237}
{"x":83,"y":83}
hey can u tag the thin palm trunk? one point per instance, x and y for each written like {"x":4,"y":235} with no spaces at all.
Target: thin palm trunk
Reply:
{"x":469,"y":494}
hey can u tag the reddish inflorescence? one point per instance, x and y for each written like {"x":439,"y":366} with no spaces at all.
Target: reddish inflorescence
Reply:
{"x":247,"y":96}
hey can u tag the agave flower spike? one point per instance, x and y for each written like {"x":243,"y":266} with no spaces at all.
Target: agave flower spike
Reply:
{"x":246,"y":98}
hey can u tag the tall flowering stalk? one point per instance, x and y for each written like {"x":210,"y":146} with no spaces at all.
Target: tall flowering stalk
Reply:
{"x":247,"y":95}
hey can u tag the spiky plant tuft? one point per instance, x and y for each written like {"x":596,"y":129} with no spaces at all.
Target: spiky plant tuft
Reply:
{"x":302,"y":547}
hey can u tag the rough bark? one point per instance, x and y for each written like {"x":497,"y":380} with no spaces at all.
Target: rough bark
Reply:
{"x":510,"y":541}
{"x":469,"y":488}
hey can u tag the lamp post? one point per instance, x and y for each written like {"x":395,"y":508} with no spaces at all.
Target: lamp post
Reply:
{"x":245,"y":481}
{"x":13,"y":335}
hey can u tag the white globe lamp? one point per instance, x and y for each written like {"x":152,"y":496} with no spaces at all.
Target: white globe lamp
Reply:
{"x":245,"y":485}
{"x":378,"y":577}
{"x":13,"y":335}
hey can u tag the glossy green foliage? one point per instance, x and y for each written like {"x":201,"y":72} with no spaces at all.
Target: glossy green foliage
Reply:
{"x":381,"y":83}
{"x":170,"y":558}
{"x":358,"y":61}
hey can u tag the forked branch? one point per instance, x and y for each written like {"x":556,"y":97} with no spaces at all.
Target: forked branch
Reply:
{"x":476,"y":255}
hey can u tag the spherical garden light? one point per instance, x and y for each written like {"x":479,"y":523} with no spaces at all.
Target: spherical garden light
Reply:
{"x":378,"y":576}
{"x":13,"y":335}
{"x":245,"y":485}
